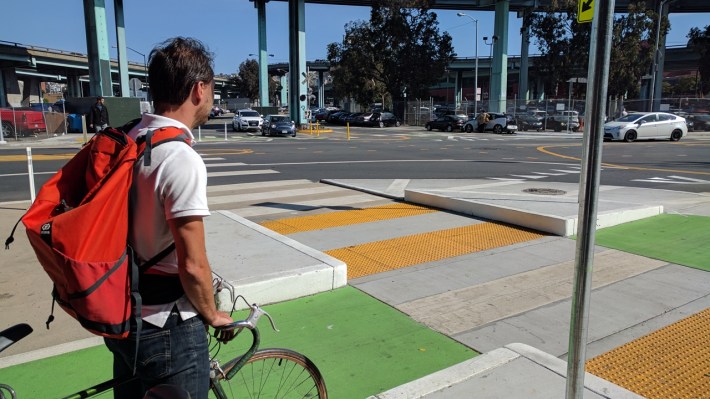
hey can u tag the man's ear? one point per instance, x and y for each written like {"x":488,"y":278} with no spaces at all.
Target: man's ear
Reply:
{"x":198,"y":92}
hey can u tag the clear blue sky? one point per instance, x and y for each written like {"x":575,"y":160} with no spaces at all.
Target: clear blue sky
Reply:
{"x":228,"y":27}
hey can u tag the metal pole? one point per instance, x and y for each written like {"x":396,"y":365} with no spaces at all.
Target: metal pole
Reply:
{"x":31,"y":174}
{"x":654,"y":72}
{"x":597,"y":85}
{"x":475,"y":79}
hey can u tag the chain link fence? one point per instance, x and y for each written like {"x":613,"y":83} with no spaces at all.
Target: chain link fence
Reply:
{"x":696,"y":111}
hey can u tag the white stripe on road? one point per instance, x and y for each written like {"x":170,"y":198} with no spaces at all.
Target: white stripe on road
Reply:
{"x":216,"y":165}
{"x":25,"y":174}
{"x":249,"y":186}
{"x":270,"y":195}
{"x":359,"y":201}
{"x":241,"y":172}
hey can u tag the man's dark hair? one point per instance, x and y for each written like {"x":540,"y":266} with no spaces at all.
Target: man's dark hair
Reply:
{"x":175,"y":66}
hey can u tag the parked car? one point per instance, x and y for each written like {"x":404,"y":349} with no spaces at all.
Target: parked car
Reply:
{"x":333,"y":117}
{"x":246,"y":119}
{"x":379,"y":119}
{"x":22,"y":122}
{"x":528,"y":122}
{"x":216,"y":111}
{"x":498,"y":123}
{"x":278,"y":125}
{"x":565,"y":120}
{"x":701,"y":123}
{"x":447,"y":122}
{"x":646,"y":125}
{"x":351,"y":118}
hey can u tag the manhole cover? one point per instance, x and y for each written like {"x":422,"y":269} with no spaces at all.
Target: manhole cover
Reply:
{"x":544,"y":191}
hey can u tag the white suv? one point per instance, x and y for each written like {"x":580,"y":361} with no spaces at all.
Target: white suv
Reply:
{"x":247,"y":119}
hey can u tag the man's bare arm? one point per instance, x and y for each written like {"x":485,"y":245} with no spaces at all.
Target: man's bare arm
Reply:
{"x":194,"y":268}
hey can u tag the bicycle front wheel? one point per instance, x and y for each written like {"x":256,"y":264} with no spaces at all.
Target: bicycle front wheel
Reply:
{"x":275,"y":373}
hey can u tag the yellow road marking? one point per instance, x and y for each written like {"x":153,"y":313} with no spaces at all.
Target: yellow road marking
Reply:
{"x":396,"y":253}
{"x":345,"y":218}
{"x":673,"y":362}
{"x":35,"y":157}
{"x":544,"y":149}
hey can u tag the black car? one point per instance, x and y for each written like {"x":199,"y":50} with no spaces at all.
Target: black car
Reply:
{"x":379,"y":119}
{"x":334,"y":116}
{"x":278,"y":125}
{"x":528,"y":122}
{"x":447,"y":122}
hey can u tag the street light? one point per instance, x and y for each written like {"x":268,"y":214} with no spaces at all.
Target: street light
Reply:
{"x":475,"y":83}
{"x":145,"y":64}
{"x":494,"y":38}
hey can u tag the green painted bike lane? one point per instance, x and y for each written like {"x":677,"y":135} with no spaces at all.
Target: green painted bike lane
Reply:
{"x":361,"y":346}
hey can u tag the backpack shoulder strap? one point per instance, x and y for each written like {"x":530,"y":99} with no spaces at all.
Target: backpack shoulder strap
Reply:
{"x":160,"y":136}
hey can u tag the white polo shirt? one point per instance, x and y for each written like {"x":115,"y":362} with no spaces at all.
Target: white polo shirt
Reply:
{"x":173,"y":186}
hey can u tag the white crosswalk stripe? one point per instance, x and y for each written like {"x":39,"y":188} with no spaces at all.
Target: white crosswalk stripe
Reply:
{"x":284,"y":198}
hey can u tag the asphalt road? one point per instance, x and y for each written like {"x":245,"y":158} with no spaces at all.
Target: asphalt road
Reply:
{"x":408,"y":152}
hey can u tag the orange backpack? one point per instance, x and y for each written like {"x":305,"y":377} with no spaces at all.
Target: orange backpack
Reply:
{"x":78,"y":228}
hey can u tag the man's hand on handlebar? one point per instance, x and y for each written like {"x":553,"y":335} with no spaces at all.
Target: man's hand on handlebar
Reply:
{"x":223,"y":335}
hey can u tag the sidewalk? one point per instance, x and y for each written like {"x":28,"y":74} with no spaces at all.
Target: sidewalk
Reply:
{"x":523,"y":346}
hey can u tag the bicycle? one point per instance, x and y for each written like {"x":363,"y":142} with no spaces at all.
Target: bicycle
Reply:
{"x":257,"y":373}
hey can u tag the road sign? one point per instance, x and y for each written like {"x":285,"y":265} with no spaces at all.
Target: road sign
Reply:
{"x":585,"y":11}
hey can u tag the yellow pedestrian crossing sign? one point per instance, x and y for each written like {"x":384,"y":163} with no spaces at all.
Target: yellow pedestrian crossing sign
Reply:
{"x":585,"y":11}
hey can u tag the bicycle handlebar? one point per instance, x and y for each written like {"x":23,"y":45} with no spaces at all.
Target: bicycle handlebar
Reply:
{"x":255,"y":313}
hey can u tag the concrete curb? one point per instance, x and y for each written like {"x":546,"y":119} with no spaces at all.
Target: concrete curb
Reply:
{"x":499,"y":358}
{"x":504,"y":208}
{"x":450,"y":376}
{"x":317,"y":273}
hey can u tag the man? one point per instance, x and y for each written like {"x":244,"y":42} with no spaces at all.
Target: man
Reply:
{"x":98,"y":115}
{"x":482,"y":119}
{"x":168,"y":202}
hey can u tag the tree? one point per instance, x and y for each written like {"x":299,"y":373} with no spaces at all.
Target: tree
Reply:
{"x":699,"y":41}
{"x":399,"y":47}
{"x":247,"y":79}
{"x":564,"y":45}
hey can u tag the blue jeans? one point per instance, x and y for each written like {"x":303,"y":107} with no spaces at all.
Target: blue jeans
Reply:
{"x":176,"y":354}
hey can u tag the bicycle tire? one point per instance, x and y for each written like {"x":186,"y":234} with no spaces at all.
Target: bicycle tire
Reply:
{"x":274,"y":373}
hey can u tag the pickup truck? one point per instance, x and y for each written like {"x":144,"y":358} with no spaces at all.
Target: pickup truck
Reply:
{"x":21,"y":122}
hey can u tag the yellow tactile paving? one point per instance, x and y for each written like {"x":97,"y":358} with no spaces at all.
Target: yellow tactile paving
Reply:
{"x":396,"y":253}
{"x":345,"y":218}
{"x":671,"y":363}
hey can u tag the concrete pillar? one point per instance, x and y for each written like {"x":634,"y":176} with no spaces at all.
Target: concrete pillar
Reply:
{"x":499,"y":83}
{"x":284,"y":90}
{"x":73,"y":86}
{"x":523,"y":91}
{"x":31,"y":92}
{"x":458,"y":84}
{"x":97,"y":46}
{"x":321,"y":89}
{"x":263,"y":54}
{"x":11,"y":88}
{"x":121,"y":46}
{"x":298,"y":87}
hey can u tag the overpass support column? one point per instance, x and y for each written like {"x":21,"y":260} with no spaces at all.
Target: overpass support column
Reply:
{"x":321,"y":89}
{"x":523,"y":91}
{"x":283,"y":94}
{"x":458,"y":84}
{"x":500,"y":58}
{"x":263,"y":54}
{"x":73,"y":86}
{"x":11,"y":88}
{"x":298,"y":79}
{"x":97,"y":48}
{"x":121,"y":47}
{"x":30,"y":88}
